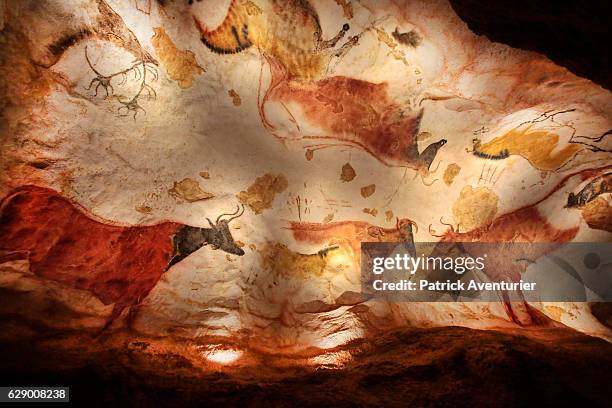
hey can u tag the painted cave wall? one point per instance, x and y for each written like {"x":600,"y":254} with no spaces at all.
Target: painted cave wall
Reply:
{"x":206,"y":171}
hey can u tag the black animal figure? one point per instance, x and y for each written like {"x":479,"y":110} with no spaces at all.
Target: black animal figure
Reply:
{"x":427,"y":156}
{"x":598,"y":186}
{"x":189,"y":239}
{"x":118,"y":264}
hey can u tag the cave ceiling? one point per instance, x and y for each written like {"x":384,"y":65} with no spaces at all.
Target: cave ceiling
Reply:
{"x":206,"y":171}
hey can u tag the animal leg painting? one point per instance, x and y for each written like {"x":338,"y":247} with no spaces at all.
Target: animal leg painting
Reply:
{"x":345,"y":111}
{"x":118,"y":264}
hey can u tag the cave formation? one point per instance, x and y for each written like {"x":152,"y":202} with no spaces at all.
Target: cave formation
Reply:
{"x":185,"y":187}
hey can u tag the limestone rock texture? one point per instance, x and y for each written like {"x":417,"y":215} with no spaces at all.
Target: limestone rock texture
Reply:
{"x":290,"y":109}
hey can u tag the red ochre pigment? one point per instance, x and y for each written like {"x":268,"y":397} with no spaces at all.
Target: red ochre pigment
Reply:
{"x":64,"y":243}
{"x":360,"y":114}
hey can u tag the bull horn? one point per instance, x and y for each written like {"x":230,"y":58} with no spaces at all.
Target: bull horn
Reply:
{"x":401,"y":223}
{"x":236,"y":216}
{"x":230,"y":214}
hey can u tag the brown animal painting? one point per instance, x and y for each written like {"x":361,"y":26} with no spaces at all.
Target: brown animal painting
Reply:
{"x":524,"y":225}
{"x":120,"y":265}
{"x":347,"y":112}
{"x":350,"y":234}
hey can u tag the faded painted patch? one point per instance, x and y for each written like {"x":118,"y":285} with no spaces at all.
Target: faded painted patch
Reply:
{"x":422,"y":136}
{"x":309,"y":154}
{"x":260,"y":195}
{"x":144,"y":209}
{"x":189,"y":190}
{"x":181,"y":66}
{"x":372,"y":211}
{"x":252,"y":8}
{"x":410,"y":38}
{"x":398,"y":55}
{"x":598,"y":214}
{"x":347,"y":8}
{"x":279,"y":260}
{"x":555,"y":312}
{"x":235,"y":97}
{"x":368,"y":190}
{"x":328,"y":218}
{"x":450,"y":173}
{"x":475,"y":207}
{"x":348,"y":173}
{"x":384,"y":37}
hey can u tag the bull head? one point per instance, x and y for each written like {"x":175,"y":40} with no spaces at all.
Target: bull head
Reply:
{"x":189,"y":239}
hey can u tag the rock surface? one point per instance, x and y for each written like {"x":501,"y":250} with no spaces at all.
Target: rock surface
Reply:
{"x":365,"y":117}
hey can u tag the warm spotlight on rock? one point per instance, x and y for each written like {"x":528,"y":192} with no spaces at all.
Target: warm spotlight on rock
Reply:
{"x":333,"y":360}
{"x":224,"y":357}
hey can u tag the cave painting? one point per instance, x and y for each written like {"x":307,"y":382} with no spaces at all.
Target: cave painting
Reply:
{"x":522,"y":225}
{"x":598,"y":214}
{"x":525,"y":224}
{"x":594,"y":188}
{"x":118,"y":264}
{"x":539,"y":142}
{"x":595,"y":209}
{"x":474,"y":207}
{"x":370,"y":90}
{"x":181,"y":66}
{"x":350,"y":234}
{"x":360,"y":114}
{"x":288,"y":30}
{"x":539,"y":147}
{"x":260,"y":195}
{"x":139,"y":70}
